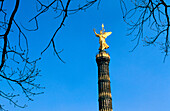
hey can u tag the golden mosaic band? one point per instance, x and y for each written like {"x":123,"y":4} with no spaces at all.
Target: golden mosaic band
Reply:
{"x":105,"y":94}
{"x":107,"y":109}
{"x":104,"y":77}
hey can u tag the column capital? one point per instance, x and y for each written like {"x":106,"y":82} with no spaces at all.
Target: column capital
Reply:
{"x":102,"y":54}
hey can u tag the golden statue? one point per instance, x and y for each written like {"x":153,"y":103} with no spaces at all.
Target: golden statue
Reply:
{"x":102,"y":36}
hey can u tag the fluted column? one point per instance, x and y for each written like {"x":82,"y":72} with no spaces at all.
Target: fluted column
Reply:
{"x":105,"y":98}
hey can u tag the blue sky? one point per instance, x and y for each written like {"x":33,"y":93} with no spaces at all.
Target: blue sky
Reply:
{"x":139,"y":79}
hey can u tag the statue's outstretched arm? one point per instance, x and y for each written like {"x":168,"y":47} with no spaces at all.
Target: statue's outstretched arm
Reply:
{"x":98,"y":35}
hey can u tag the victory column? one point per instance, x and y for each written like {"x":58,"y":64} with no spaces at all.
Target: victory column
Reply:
{"x":103,"y":59}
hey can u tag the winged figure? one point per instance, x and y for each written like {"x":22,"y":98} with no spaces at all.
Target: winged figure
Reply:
{"x":102,"y":36}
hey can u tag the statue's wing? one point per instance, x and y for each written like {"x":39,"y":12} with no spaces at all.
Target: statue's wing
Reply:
{"x":106,"y":34}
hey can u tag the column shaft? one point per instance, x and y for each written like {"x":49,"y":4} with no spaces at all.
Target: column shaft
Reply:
{"x":105,"y":98}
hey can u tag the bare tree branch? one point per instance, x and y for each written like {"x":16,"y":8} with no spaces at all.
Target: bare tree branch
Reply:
{"x":7,"y":32}
{"x":16,"y":68}
{"x":151,"y":15}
